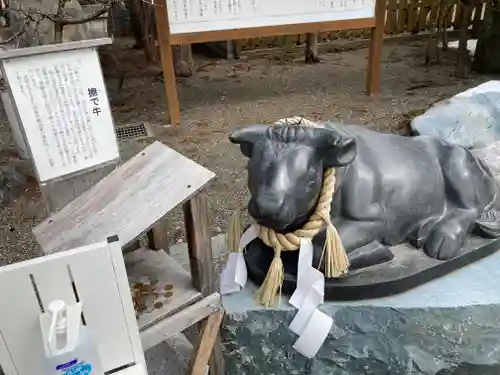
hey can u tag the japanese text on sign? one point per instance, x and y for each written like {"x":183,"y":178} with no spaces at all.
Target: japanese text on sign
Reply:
{"x":209,"y":15}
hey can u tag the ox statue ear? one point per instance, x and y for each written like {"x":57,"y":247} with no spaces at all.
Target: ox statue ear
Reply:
{"x":337,"y":147}
{"x":247,"y":137}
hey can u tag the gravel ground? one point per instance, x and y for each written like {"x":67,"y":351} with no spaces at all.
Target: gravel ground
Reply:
{"x":226,"y":95}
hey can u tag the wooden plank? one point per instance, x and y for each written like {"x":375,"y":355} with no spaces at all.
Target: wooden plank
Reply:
{"x":258,"y":32}
{"x":433,"y":17}
{"x":458,"y":15}
{"x":51,"y":48}
{"x":178,"y":322}
{"x":128,"y":202}
{"x":425,"y":7}
{"x":402,"y":15}
{"x":199,"y":241}
{"x":58,"y":194}
{"x":158,"y":266}
{"x":167,"y":62}
{"x":412,"y":15}
{"x":158,"y":237}
{"x":451,"y":11}
{"x":478,"y":16}
{"x":375,"y":52}
{"x":209,"y":334}
{"x":390,"y":24}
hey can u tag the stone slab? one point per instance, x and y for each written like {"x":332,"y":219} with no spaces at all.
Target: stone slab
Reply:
{"x":447,"y":326}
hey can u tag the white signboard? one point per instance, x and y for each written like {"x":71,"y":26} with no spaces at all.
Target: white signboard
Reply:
{"x":64,"y":110}
{"x":191,"y":16}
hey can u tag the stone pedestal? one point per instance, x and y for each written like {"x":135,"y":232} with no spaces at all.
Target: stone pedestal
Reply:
{"x":447,"y":326}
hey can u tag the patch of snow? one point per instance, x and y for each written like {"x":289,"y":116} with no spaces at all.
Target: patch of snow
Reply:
{"x":471,"y":46}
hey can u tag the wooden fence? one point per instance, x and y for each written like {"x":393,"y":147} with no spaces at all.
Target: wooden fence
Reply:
{"x":402,"y":17}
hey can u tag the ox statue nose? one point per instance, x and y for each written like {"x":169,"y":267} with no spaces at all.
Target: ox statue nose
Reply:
{"x":269,"y":210}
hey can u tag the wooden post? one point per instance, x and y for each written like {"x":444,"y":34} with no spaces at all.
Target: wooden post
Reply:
{"x":311,"y":49}
{"x":158,"y":237}
{"x":375,"y":54}
{"x":199,"y":238}
{"x":209,"y":337}
{"x":167,"y":62}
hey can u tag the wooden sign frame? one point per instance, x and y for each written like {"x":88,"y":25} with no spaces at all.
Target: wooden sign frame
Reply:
{"x":167,"y":40}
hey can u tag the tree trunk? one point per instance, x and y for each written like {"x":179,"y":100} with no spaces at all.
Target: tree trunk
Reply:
{"x":184,"y":65}
{"x":487,"y":56}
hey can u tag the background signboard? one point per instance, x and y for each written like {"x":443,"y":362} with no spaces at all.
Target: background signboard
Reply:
{"x":187,"y":16}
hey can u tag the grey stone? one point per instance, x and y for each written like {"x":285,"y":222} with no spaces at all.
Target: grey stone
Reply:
{"x":472,"y":122}
{"x":450,"y":326}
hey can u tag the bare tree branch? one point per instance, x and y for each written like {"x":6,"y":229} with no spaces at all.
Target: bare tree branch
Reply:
{"x":17,"y":34}
{"x":61,"y":17}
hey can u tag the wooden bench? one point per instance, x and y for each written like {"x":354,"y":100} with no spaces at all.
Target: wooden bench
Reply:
{"x":131,"y":202}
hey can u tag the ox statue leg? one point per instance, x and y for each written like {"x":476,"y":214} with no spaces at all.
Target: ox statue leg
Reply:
{"x":448,"y":236}
{"x":469,"y":189}
{"x":360,"y":242}
{"x":356,"y":234}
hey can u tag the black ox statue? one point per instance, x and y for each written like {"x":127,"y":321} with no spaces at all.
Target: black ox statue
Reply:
{"x":408,"y":209}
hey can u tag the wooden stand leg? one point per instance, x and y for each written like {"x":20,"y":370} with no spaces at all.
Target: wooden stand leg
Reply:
{"x":158,"y":237}
{"x":377,"y":37}
{"x":167,"y":62}
{"x":311,"y":49}
{"x":201,"y":262}
{"x":199,"y":243}
{"x":204,"y":348}
{"x":217,"y":361}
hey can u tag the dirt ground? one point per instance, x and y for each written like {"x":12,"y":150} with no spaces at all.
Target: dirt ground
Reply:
{"x":226,"y":95}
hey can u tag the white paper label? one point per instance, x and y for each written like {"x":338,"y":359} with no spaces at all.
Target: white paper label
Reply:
{"x":310,"y":324}
{"x":304,"y":277}
{"x":314,"y":334}
{"x":311,"y":301}
{"x":231,"y":276}
{"x":234,"y":276}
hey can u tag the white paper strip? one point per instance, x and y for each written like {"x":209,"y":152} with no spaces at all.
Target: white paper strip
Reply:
{"x":313,"y":299}
{"x":234,"y":276}
{"x":304,"y":276}
{"x":310,"y":324}
{"x":231,"y":276}
{"x":314,"y":334}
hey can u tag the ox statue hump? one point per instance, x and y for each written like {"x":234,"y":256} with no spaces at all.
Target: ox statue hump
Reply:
{"x":408,"y":209}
